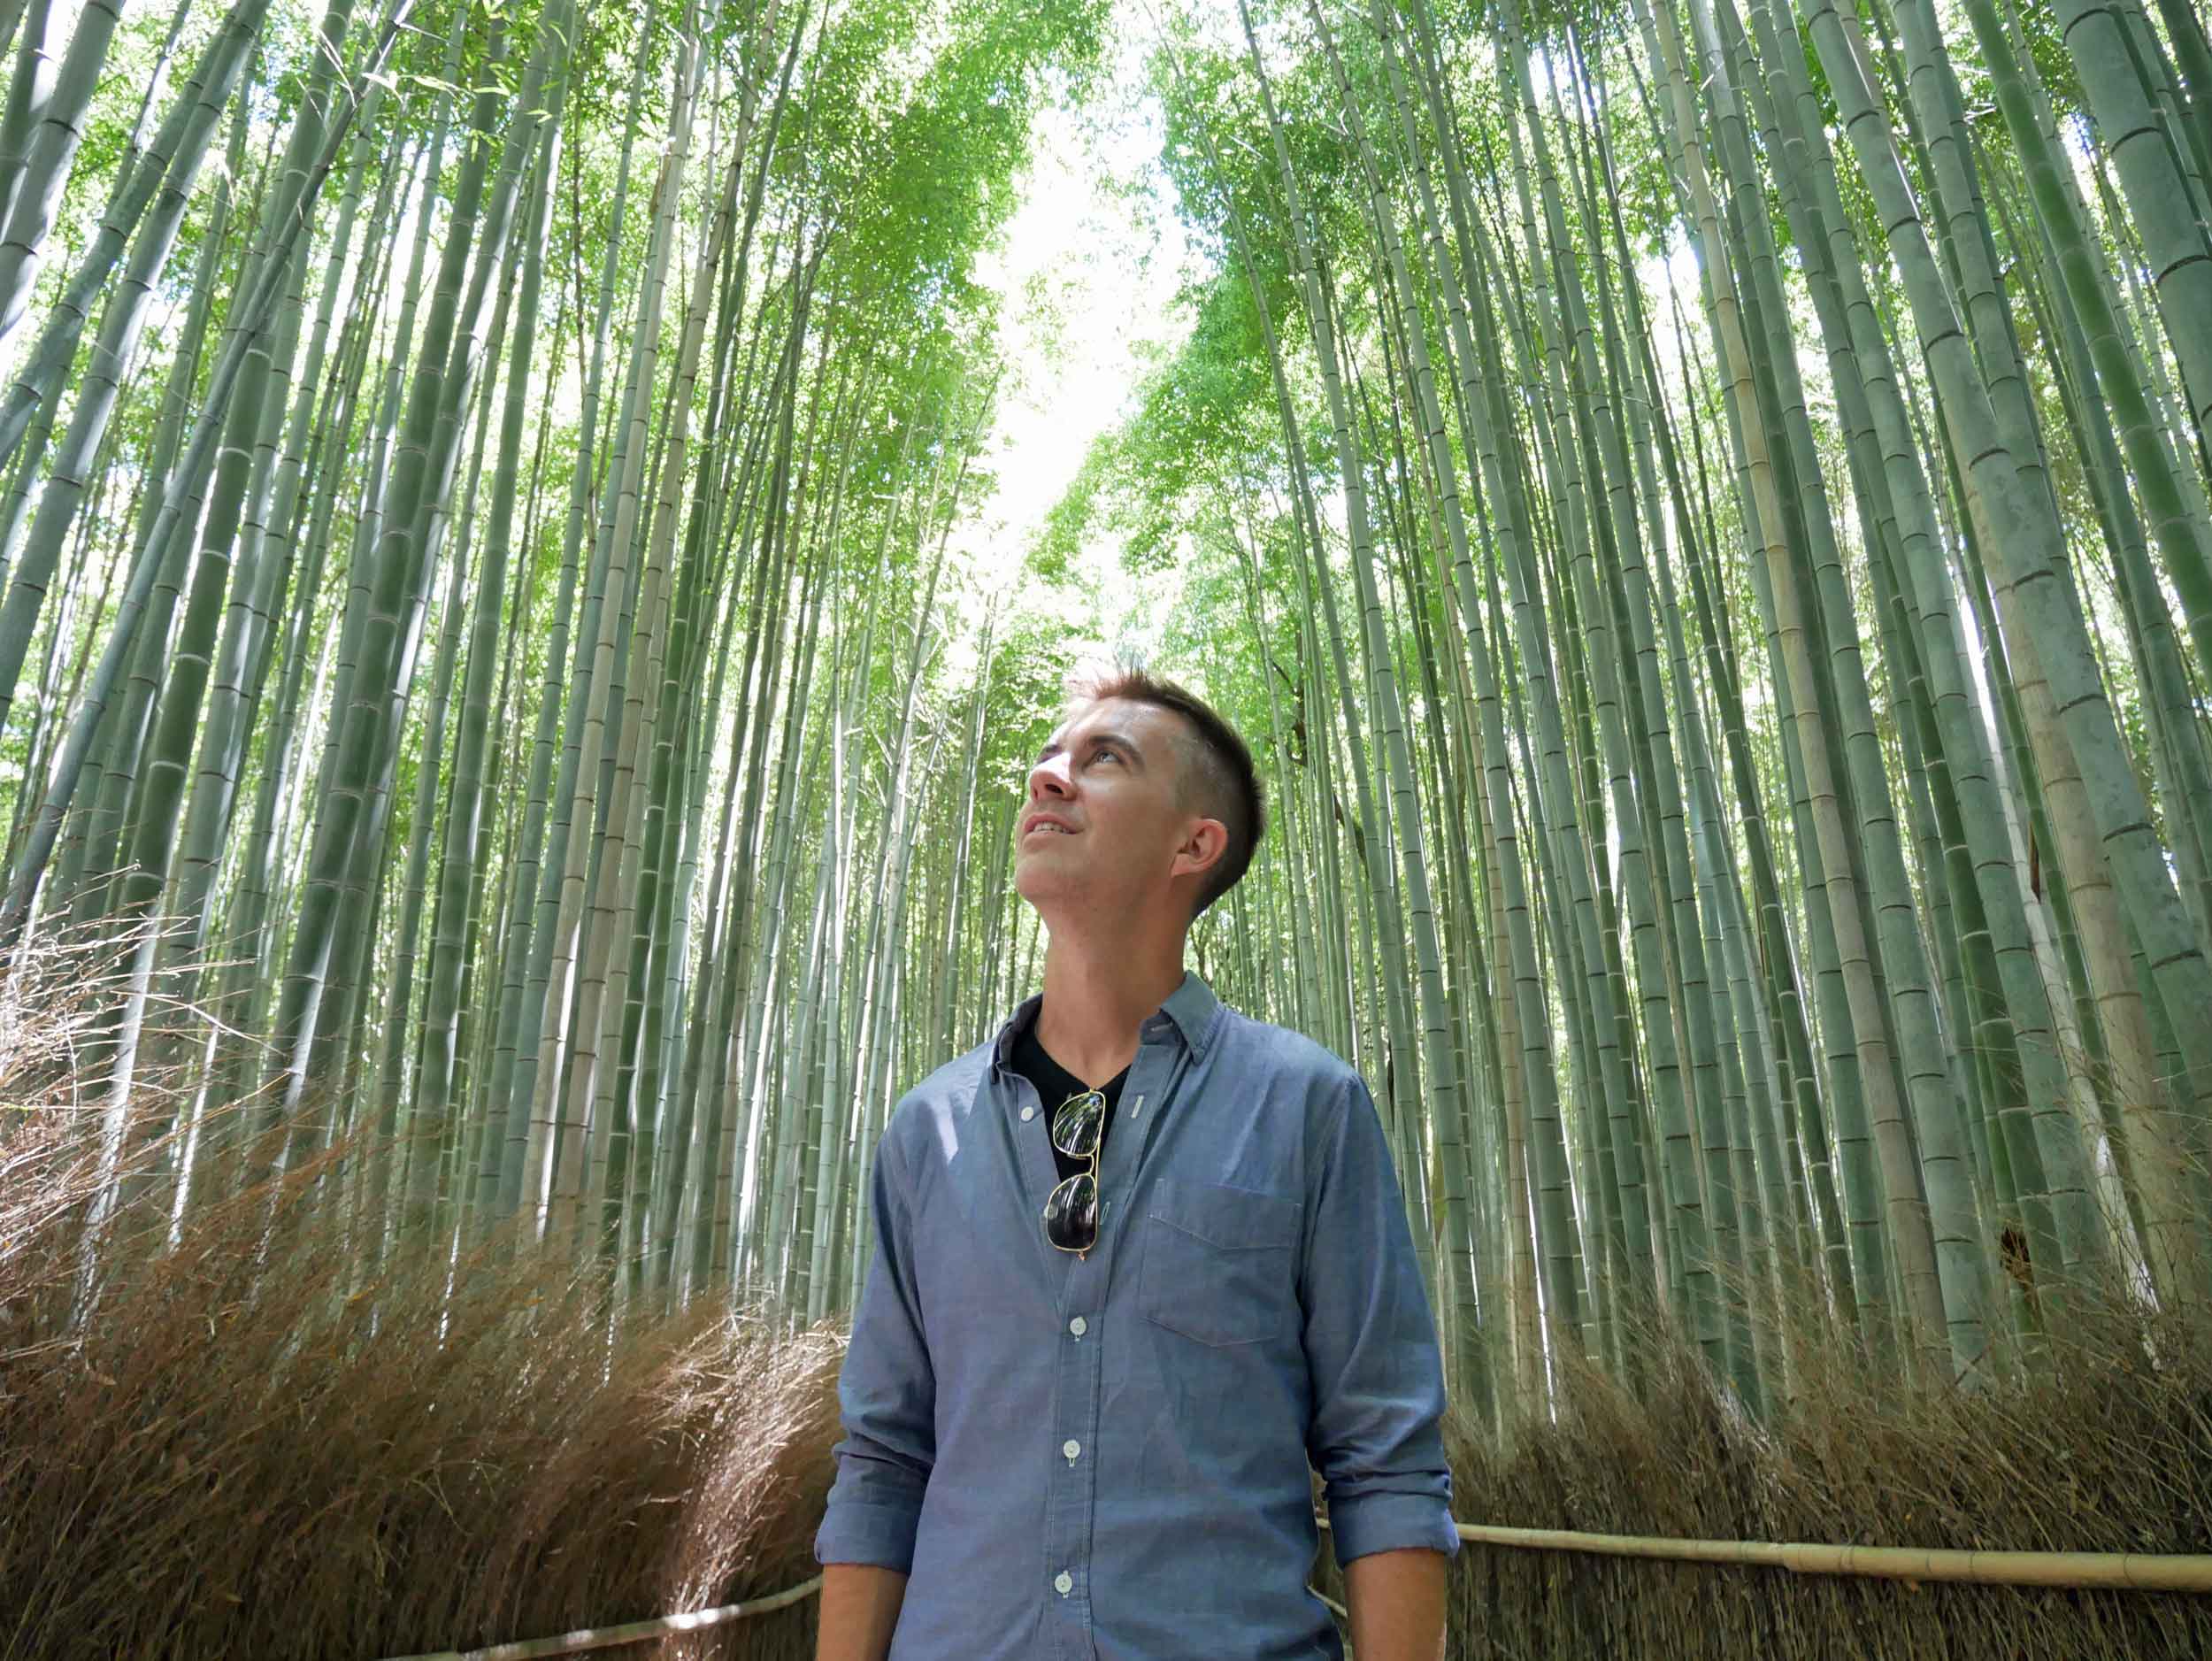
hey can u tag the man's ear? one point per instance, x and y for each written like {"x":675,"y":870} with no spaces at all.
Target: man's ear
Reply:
{"x":1201,"y":849}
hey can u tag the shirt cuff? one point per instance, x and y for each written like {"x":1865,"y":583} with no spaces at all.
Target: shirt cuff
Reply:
{"x":1391,"y":1522}
{"x":881,"y":1536}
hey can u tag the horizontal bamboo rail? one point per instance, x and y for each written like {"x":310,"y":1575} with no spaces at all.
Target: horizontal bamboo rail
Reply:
{"x":2112,"y":1571}
{"x":2103,"y":1570}
{"x":633,"y":1632}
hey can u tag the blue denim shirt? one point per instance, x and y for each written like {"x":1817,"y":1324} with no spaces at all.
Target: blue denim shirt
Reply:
{"x":1105,"y":1457}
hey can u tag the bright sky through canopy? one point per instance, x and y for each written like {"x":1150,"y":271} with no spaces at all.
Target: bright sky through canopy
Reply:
{"x":1089,"y":268}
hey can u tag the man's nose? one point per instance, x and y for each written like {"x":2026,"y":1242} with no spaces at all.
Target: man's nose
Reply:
{"x":1049,"y":777}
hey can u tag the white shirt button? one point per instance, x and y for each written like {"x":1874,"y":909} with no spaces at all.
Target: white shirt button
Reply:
{"x":1028,"y":1114}
{"x":1063,"y":1583}
{"x":1079,"y":1326}
{"x":1072,"y":1448}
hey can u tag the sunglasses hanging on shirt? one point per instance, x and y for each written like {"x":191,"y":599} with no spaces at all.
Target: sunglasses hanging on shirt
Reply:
{"x":1072,"y":1210}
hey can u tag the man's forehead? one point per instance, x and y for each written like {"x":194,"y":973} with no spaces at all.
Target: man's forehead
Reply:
{"x":1126,"y":715}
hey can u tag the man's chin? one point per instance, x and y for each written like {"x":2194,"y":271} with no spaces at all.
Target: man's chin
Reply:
{"x":1031,"y":883}
{"x":1046,"y":888}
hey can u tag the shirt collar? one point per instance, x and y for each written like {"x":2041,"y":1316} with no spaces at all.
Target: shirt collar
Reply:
{"x":1023,"y":1017}
{"x":1189,"y":1010}
{"x":1191,"y":1006}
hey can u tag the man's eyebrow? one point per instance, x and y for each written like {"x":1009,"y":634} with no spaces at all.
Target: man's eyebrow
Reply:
{"x":1053,"y":747}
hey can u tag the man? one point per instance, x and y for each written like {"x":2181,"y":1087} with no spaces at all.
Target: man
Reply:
{"x":1106,"y":1327}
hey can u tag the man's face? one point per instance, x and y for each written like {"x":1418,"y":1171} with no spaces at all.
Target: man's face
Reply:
{"x":1105,"y":818}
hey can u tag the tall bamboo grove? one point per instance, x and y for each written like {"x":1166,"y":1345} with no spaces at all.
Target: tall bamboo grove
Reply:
{"x":1702,"y":510}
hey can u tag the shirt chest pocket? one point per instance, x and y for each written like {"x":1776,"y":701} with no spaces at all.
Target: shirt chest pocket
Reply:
{"x":1220,"y":1264}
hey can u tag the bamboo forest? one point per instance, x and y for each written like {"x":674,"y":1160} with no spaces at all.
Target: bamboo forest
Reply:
{"x":540,"y":542}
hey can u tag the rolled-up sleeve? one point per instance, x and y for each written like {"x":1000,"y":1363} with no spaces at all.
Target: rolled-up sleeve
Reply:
{"x":1370,"y":1349}
{"x":886,"y":1396}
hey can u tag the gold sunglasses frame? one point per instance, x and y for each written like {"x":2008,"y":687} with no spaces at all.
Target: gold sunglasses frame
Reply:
{"x":1091,"y":1159}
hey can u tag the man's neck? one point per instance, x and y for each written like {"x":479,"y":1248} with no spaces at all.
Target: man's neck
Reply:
{"x":1097,"y":994}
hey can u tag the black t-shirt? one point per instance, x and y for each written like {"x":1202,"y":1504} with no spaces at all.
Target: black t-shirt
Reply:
{"x":1054,"y":1084}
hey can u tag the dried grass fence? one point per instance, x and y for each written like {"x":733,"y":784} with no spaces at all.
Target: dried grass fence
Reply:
{"x":253,"y":1450}
{"x":2099,"y":1460}
{"x":263,"y":1444}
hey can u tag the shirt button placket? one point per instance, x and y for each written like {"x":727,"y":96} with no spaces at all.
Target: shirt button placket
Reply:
{"x":1074,"y":1489}
{"x":1073,"y":1496}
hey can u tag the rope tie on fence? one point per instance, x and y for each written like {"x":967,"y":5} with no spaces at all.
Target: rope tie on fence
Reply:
{"x":2100,"y":1571}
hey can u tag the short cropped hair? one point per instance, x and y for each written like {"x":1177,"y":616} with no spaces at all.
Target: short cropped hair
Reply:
{"x":1219,"y":778}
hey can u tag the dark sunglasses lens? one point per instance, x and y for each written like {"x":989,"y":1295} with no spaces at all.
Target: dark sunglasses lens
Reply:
{"x":1076,"y":1127}
{"x":1072,"y":1213}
